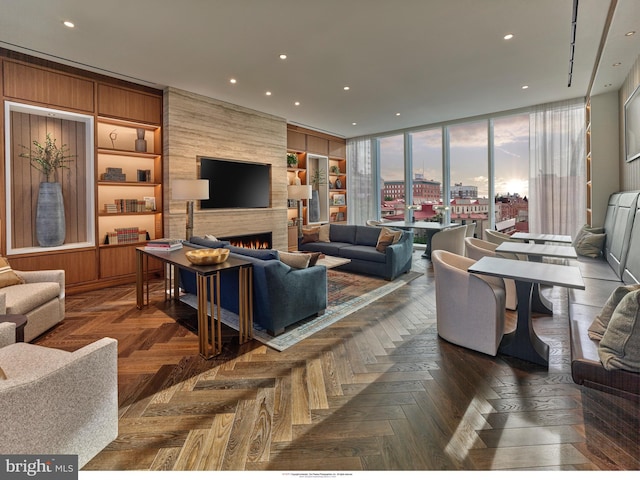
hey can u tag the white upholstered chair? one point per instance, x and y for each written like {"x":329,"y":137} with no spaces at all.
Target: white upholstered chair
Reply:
{"x":498,"y":237}
{"x":471,"y":230}
{"x":469,"y":307}
{"x":477,"y":248}
{"x":59,"y":402}
{"x":451,"y":240}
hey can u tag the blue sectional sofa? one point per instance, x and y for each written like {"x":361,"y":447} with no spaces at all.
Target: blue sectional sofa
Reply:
{"x":282,"y":295}
{"x":358,"y":243}
{"x":619,"y":265}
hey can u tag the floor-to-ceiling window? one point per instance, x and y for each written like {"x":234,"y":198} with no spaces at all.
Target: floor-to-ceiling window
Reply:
{"x":392,"y":179}
{"x":426,"y":178}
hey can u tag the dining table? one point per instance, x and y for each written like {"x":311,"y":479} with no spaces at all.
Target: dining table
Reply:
{"x":430,"y":228}
{"x":541,"y":238}
{"x":534,"y":252}
{"x":523,"y":342}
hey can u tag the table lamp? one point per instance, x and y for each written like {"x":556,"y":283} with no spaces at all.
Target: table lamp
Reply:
{"x":299,"y":193}
{"x":189,"y":190}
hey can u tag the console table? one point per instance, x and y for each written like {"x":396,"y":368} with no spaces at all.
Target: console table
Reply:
{"x":207,"y":286}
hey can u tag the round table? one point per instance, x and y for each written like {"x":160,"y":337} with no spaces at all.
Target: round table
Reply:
{"x":19,"y":320}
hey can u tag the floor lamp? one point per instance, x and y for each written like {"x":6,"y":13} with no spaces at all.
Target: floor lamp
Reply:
{"x":189,"y":190}
{"x":299,"y":193}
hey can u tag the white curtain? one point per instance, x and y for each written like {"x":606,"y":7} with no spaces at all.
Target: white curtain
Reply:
{"x":361,"y":198}
{"x":557,"y":189}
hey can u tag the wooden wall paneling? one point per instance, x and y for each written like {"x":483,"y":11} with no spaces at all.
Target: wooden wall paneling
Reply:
{"x":25,"y":82}
{"x":337,"y":148}
{"x":296,"y":141}
{"x":23,"y":199}
{"x":129,"y":105}
{"x":317,"y":145}
{"x":79,"y":265}
{"x":116,"y":261}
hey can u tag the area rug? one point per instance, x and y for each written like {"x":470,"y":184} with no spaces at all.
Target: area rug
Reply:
{"x":347,"y":293}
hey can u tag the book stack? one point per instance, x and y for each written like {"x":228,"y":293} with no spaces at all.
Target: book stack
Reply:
{"x":114,"y":175}
{"x":127,"y":235}
{"x":164,"y":245}
{"x":130,"y":205}
{"x":110,"y":208}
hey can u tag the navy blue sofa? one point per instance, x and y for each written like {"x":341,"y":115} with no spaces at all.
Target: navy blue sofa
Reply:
{"x":282,"y":295}
{"x":358,"y":243}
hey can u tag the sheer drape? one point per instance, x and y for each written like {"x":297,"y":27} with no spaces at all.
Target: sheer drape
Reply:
{"x":557,"y":191}
{"x":360,"y":182}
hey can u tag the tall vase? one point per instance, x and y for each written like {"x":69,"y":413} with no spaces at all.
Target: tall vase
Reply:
{"x":314,"y":207}
{"x":141,"y":143}
{"x":50,"y":223}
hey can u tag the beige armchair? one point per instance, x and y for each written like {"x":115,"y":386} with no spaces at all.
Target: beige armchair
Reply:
{"x":451,"y":240}
{"x":58,"y":402}
{"x":476,"y":249}
{"x":7,"y":333}
{"x":469,"y":307}
{"x":40,"y":298}
{"x":498,"y":237}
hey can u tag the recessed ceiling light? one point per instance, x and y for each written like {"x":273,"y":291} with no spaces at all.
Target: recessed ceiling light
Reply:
{"x":617,"y":64}
{"x":346,"y":88}
{"x":233,"y":80}
{"x":267,"y":93}
{"x":508,"y":36}
{"x":629,"y":34}
{"x":608,"y":85}
{"x":283,"y":56}
{"x":68,"y":23}
{"x":524,"y":87}
{"x":297,"y":104}
{"x":398,"y":114}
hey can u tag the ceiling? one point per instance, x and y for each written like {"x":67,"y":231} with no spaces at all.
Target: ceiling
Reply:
{"x":427,"y":60}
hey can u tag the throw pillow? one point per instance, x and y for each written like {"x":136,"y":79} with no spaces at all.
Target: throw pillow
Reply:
{"x":3,"y":375}
{"x":295,"y":260}
{"x":599,"y":325}
{"x":323,"y":233}
{"x":7,"y":275}
{"x":213,"y":238}
{"x":620,"y":344}
{"x":387,"y":237}
{"x":314,"y":258}
{"x":310,"y":235}
{"x":583,"y":230}
{"x":590,"y":244}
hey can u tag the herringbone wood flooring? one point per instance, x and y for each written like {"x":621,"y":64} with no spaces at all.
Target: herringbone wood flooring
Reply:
{"x":376,"y":391}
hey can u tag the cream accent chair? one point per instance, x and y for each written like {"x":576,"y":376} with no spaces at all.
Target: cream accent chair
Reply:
{"x":469,"y":307}
{"x":58,"y":402}
{"x":471,"y":230}
{"x":451,"y":240}
{"x":476,"y":249}
{"x":41,"y":299}
{"x":498,"y":237}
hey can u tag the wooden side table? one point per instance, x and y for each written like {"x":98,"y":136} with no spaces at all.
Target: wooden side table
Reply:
{"x":19,"y":320}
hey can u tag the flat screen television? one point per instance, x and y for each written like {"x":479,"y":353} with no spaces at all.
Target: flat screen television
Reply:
{"x":234,"y":184}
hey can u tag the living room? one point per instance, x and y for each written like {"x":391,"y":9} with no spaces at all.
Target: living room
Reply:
{"x":181,"y":126}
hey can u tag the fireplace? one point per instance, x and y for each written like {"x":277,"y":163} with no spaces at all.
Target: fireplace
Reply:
{"x":251,"y":240}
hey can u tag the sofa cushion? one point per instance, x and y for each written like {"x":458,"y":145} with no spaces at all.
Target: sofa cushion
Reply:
{"x":343,"y":233}
{"x":584,"y":230}
{"x":7,"y":275}
{"x":599,"y":325}
{"x":363,"y":252}
{"x":313,"y":258}
{"x":620,"y":344}
{"x":368,"y":235}
{"x":295,"y":260}
{"x":324,"y":233}
{"x":590,"y":244}
{"x":328,"y":248}
{"x":259,"y":253}
{"x":387,"y":237}
{"x":310,"y":235}
{"x":23,"y":298}
{"x":209,"y":242}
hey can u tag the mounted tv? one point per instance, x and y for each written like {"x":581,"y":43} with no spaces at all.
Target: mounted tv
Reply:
{"x":234,"y":184}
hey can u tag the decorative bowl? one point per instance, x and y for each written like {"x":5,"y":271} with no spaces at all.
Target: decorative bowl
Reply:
{"x":207,"y":256}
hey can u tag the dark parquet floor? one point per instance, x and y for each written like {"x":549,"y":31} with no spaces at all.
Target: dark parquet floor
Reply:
{"x":378,"y":390}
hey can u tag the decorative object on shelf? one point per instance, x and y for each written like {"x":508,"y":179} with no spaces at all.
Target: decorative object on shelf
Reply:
{"x":339,"y":199}
{"x":144,"y":175}
{"x":299,"y":193}
{"x":189,"y":190}
{"x":113,"y":135}
{"x":330,"y":185}
{"x":338,"y":183}
{"x":340,"y":217}
{"x":48,"y":159}
{"x":292,"y":160}
{"x":149,"y":204}
{"x":318,"y":177}
{"x":113,"y":174}
{"x":207,"y":256}
{"x":141,"y":143}
{"x":334,"y":169}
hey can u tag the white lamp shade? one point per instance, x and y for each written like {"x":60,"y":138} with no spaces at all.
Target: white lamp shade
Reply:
{"x":189,"y":189}
{"x":299,"y":192}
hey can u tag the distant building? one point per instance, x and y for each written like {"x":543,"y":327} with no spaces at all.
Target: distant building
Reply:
{"x":463,"y":191}
{"x":423,"y":190}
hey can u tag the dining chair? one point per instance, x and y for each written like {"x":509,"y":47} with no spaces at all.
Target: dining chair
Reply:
{"x":471,"y":230}
{"x":470,"y":309}
{"x":498,"y":237}
{"x":451,"y":240}
{"x":477,"y":248}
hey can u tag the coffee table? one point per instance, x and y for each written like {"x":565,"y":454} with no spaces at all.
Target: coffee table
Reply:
{"x":207,"y":285}
{"x":332,"y":262}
